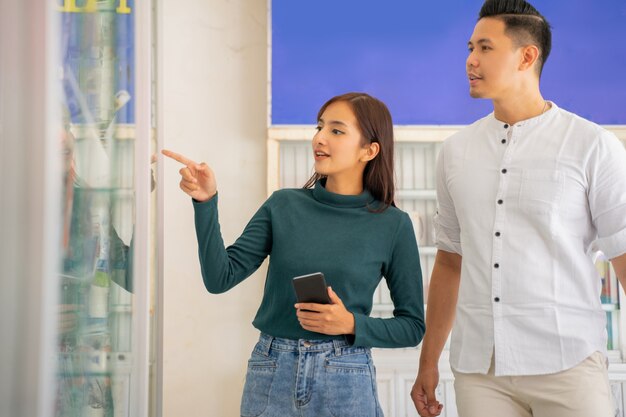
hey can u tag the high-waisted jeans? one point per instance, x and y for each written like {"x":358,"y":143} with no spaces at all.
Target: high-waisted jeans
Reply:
{"x":309,"y":378}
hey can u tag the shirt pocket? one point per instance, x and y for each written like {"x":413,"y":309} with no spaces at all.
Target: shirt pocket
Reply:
{"x":541,"y":191}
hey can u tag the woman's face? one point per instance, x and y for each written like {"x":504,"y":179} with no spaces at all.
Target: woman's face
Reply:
{"x":338,"y":144}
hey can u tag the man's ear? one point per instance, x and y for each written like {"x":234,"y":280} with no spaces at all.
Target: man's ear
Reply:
{"x":371,"y":151}
{"x":530,"y":55}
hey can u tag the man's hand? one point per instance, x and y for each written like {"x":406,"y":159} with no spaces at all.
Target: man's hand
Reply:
{"x":423,"y":392}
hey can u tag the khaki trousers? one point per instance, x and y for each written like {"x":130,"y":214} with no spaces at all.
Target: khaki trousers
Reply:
{"x":582,"y":391}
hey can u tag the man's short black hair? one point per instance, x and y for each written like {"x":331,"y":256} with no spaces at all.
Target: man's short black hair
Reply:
{"x":524,"y":24}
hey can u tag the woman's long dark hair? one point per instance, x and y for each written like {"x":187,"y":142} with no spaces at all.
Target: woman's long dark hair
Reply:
{"x":374,"y":121}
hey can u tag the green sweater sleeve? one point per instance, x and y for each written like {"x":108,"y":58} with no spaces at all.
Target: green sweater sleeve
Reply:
{"x":404,"y":280}
{"x":223,"y":268}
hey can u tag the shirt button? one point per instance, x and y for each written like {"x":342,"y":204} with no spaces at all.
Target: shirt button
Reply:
{"x":496,"y":299}
{"x":504,"y":171}
{"x":506,"y":126}
{"x":497,"y":234}
{"x":500,"y":201}
{"x":503,"y":141}
{"x":496,"y":266}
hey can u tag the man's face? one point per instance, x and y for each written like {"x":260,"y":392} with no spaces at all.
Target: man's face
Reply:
{"x":493,"y":64}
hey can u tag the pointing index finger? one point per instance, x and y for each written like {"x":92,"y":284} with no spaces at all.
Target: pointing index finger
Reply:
{"x":178,"y":157}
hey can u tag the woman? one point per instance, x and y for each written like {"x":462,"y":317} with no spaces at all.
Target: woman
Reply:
{"x":315,"y":360}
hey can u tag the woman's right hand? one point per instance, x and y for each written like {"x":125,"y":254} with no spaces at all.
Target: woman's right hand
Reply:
{"x":197,"y":180}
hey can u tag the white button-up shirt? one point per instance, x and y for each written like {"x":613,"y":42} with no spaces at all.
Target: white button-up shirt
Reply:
{"x":528,"y":206}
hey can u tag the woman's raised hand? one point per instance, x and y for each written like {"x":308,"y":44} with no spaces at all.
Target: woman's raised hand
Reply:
{"x":197,"y":180}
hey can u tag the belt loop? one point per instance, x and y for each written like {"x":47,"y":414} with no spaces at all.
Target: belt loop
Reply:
{"x":337,"y":346}
{"x":266,"y":344}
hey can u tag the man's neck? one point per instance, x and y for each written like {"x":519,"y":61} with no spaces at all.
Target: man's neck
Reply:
{"x":520,"y":107}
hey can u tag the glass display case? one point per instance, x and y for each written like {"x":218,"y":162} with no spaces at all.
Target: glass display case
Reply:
{"x":106,"y":311}
{"x":78,"y":275}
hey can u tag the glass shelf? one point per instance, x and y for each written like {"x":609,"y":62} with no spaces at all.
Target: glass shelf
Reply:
{"x":416,"y":194}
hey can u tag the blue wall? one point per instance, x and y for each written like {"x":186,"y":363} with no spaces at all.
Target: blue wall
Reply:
{"x":411,"y":54}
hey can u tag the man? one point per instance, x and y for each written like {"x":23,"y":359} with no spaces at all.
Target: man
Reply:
{"x":526,"y":197}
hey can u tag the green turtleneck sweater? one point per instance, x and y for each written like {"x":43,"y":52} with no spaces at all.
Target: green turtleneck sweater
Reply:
{"x":313,"y":230}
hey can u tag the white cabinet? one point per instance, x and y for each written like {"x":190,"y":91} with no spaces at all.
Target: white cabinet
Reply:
{"x":395,"y":373}
{"x":290,"y":164}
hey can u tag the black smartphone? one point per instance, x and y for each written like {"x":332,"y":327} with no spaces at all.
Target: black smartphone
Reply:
{"x":311,"y":288}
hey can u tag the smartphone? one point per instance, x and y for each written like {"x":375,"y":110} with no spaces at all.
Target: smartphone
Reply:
{"x":311,"y":288}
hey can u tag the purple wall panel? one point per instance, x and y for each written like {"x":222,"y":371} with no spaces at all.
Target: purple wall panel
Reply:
{"x":411,"y":54}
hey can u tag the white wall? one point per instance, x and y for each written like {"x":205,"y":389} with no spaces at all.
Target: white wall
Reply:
{"x":214,"y":78}
{"x":29,"y":207}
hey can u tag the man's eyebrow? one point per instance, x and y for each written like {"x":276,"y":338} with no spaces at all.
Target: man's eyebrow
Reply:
{"x":482,"y":40}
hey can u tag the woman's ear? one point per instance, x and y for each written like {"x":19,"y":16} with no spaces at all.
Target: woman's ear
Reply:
{"x":371,"y":151}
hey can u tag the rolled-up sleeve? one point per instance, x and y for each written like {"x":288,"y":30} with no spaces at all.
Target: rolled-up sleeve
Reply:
{"x":447,"y":230}
{"x":606,"y":173}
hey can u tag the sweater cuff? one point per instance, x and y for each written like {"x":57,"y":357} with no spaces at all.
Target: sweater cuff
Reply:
{"x":211,"y":202}
{"x":359,"y":338}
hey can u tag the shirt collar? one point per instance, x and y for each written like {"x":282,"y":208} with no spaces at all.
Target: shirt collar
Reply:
{"x":548,"y":114}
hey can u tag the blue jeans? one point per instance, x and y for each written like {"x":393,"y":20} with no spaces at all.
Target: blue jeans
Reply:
{"x":309,"y":378}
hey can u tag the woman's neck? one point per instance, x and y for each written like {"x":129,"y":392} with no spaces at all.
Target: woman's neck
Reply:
{"x":343,"y":186}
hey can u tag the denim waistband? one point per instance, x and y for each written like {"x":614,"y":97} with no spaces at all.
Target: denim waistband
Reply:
{"x":267,"y":343}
